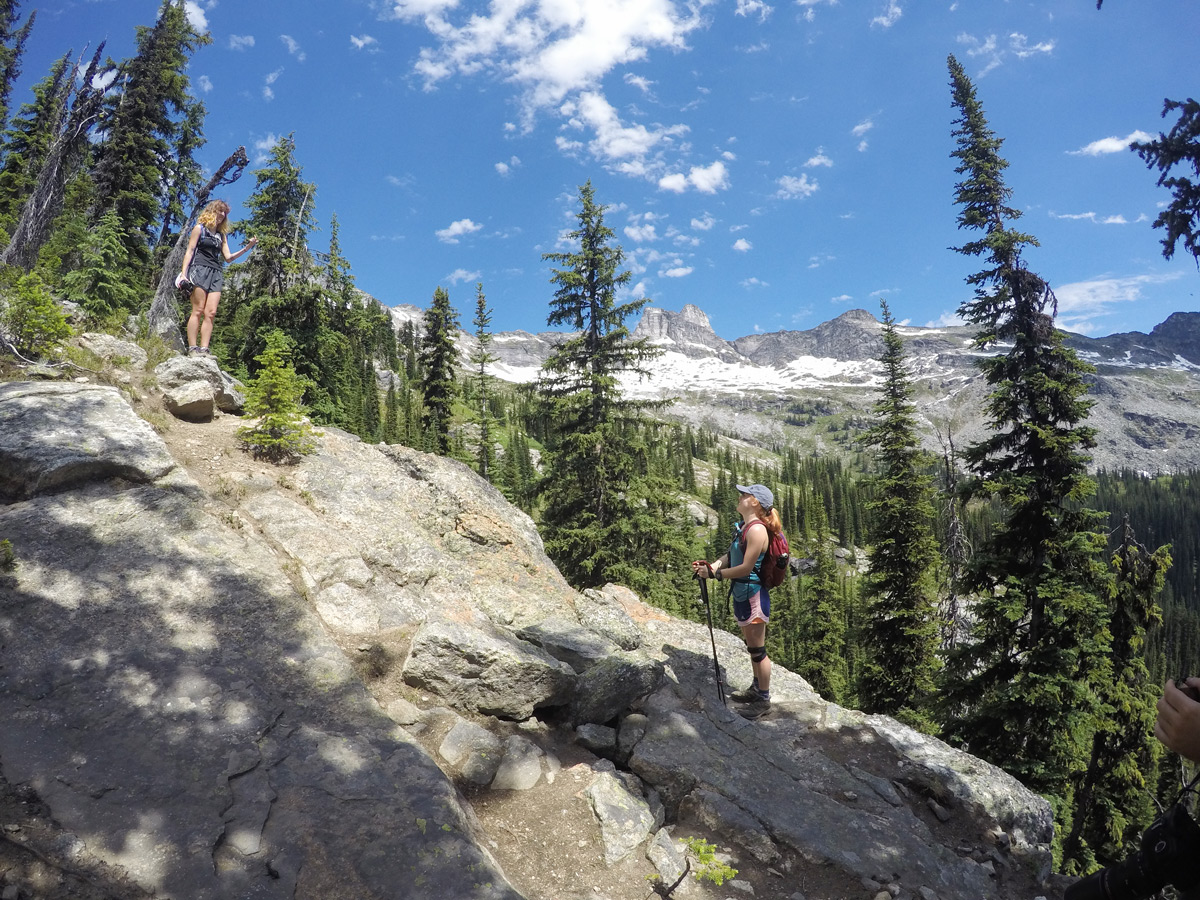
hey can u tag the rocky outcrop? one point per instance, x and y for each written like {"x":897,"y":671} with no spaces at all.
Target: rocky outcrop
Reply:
{"x":193,"y":387}
{"x":687,"y":332}
{"x":175,"y":690}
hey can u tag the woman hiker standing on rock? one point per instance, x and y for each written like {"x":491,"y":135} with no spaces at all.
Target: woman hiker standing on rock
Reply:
{"x":208,"y":249}
{"x":751,"y":602}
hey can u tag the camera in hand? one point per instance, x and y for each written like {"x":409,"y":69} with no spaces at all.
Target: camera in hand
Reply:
{"x":1192,"y":693}
{"x":1169,"y":854}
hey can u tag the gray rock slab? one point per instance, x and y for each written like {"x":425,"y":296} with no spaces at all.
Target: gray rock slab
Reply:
{"x":568,"y":641}
{"x":192,"y":401}
{"x":624,"y":817}
{"x":486,"y":670}
{"x":684,"y":751}
{"x":521,"y":767}
{"x":474,"y":751}
{"x":54,"y":436}
{"x":602,"y":612}
{"x":600,"y":739}
{"x":611,"y":685}
{"x":109,"y":347}
{"x":183,"y":713}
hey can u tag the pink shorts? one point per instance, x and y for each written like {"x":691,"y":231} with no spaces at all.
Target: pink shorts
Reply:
{"x":756,"y":609}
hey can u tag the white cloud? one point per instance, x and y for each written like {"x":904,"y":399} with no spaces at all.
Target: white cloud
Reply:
{"x":991,"y":54}
{"x":505,"y":168}
{"x":791,"y":187}
{"x":677,"y":182}
{"x":550,"y":48}
{"x":637,"y":81}
{"x":195,"y":16}
{"x":677,"y":272}
{"x":1019,"y":44}
{"x":754,"y":7}
{"x":1093,"y":217}
{"x":204,"y":83}
{"x":241,"y":41}
{"x":709,"y":179}
{"x":862,"y":128}
{"x":455,"y":230}
{"x":742,"y":245}
{"x":627,"y":146}
{"x":1112,"y":144}
{"x":704,"y":224}
{"x":755,"y":282}
{"x":706,"y":179}
{"x":841,"y":298}
{"x":458,"y":276}
{"x":641,"y":233}
{"x":1082,"y":301}
{"x":293,"y":46}
{"x":361,"y":43}
{"x":820,"y":159}
{"x":890,"y":16}
{"x":264,"y":146}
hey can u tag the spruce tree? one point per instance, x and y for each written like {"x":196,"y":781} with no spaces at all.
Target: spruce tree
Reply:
{"x":900,"y":634}
{"x":139,"y":128}
{"x":480,"y":358}
{"x":606,"y":517}
{"x":1178,"y":152}
{"x":822,"y":644}
{"x":1022,"y":693}
{"x":1114,"y":800}
{"x":279,"y":433}
{"x":12,"y":47}
{"x":281,"y":217}
{"x":438,"y":356}
{"x":27,"y":141}
{"x":104,"y":284}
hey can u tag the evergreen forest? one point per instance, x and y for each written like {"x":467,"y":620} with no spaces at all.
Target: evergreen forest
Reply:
{"x":1004,"y":598}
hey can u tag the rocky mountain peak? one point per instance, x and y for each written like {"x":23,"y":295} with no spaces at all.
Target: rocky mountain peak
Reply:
{"x":687,"y":331}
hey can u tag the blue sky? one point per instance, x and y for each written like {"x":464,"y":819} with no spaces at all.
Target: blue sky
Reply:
{"x":774,"y":163}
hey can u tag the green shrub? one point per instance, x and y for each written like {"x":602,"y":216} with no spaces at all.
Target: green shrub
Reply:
{"x":281,"y":433}
{"x":32,"y":319}
{"x":708,"y":867}
{"x":8,"y":559}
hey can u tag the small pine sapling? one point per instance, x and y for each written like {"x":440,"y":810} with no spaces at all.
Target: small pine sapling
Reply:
{"x":281,"y":433}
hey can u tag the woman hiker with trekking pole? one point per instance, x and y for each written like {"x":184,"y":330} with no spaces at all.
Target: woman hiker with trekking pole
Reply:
{"x":742,"y":567}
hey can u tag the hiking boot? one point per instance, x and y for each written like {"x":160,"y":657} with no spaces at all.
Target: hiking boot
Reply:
{"x":746,"y":695}
{"x":755,"y":709}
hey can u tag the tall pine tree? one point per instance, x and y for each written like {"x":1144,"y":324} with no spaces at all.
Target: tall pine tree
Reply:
{"x":900,"y":634}
{"x":438,"y":355}
{"x":135,"y":158}
{"x":606,"y":516}
{"x":1022,"y":693}
{"x":480,"y":357}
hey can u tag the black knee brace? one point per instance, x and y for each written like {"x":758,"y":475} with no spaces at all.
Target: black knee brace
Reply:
{"x":757,"y":654}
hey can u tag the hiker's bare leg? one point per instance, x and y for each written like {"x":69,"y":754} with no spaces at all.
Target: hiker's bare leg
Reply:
{"x":755,"y":635}
{"x":193,"y":322}
{"x":210,"y":310}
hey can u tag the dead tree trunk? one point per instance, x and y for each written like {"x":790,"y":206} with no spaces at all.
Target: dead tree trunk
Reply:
{"x":79,"y":111}
{"x":164,"y":313}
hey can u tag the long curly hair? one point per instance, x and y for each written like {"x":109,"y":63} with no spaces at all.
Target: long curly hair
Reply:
{"x":208,"y":218}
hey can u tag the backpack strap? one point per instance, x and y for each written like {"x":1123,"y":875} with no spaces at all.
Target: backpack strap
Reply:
{"x":745,"y":542}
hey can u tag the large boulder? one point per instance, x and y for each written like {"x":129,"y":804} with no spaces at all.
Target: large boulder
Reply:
{"x":227,"y":392}
{"x":58,"y":436}
{"x":486,"y":670}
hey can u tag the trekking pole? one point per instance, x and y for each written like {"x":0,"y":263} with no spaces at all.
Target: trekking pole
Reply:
{"x":712,"y":637}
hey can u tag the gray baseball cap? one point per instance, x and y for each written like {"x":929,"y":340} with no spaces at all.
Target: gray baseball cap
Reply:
{"x":759,"y":492}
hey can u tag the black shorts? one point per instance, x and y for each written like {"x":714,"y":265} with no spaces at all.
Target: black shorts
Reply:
{"x":207,"y":278}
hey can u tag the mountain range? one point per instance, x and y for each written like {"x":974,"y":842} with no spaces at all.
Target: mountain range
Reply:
{"x":813,"y":387}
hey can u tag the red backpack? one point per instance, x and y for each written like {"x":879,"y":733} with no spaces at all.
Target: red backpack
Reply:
{"x":774,"y":568}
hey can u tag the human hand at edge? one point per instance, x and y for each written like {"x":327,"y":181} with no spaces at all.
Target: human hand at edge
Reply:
{"x":1178,"y":723}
